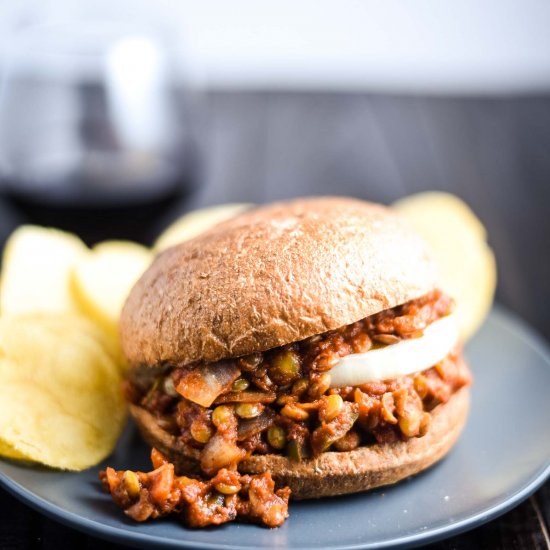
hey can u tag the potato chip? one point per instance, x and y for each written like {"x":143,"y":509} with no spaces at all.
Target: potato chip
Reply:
{"x":89,"y":331}
{"x":60,"y":395}
{"x":102,"y":279}
{"x":7,"y":451}
{"x":196,"y":222}
{"x":457,"y":239}
{"x":36,"y":266}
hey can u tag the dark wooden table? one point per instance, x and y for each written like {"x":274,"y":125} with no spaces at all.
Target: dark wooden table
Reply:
{"x":257,"y":147}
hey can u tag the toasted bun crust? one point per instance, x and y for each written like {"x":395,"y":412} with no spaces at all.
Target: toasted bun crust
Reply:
{"x":334,"y":473}
{"x":272,"y":276}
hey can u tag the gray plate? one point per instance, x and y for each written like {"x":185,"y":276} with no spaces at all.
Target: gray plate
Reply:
{"x":502,"y":457}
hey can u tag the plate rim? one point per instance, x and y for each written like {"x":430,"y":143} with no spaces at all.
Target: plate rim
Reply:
{"x":499,"y":314}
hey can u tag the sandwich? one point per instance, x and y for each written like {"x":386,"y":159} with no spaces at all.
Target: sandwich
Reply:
{"x":301,"y":349}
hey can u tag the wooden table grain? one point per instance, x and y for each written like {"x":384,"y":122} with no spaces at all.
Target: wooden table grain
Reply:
{"x":263,"y":146}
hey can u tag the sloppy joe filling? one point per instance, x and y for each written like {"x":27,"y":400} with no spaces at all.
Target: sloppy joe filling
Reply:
{"x":226,"y":497}
{"x":282,"y":401}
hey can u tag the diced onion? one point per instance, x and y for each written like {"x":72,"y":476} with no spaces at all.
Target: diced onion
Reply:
{"x":220,"y":453}
{"x":202,"y":385}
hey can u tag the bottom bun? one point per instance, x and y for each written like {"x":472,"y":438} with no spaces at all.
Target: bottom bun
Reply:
{"x":332,"y":473}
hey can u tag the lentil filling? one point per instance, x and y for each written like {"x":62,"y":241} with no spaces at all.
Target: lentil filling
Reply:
{"x":279,"y":402}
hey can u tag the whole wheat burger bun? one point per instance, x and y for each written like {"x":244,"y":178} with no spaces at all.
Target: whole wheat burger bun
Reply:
{"x":272,"y":276}
{"x":334,"y":473}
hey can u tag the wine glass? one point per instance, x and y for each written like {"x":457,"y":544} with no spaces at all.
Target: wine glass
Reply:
{"x":91,"y":114}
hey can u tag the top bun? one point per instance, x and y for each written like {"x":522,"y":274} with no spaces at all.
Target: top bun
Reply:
{"x":271,"y":276}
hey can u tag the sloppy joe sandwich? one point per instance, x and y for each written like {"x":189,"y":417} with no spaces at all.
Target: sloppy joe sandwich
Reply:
{"x":302,"y":348}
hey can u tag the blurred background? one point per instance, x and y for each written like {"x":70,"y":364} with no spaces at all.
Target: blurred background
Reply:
{"x":117,"y":117}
